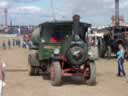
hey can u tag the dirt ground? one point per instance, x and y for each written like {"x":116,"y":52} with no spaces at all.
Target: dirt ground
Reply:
{"x":19,"y":83}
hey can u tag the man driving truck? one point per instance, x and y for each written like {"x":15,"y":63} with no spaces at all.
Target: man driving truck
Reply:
{"x":57,"y":37}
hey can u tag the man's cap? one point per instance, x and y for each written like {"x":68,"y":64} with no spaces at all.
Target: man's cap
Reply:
{"x":76,"y":17}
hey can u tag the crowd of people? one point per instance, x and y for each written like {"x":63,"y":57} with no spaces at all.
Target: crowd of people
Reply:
{"x":12,"y":43}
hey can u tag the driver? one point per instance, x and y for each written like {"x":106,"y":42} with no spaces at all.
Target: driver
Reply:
{"x":78,"y":28}
{"x":57,"y":37}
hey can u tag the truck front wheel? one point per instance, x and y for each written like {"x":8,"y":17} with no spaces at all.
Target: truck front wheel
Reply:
{"x":33,"y":71}
{"x":101,"y":48}
{"x":90,"y":73}
{"x":56,"y":73}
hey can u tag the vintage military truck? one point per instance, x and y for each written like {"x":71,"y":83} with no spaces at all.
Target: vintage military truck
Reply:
{"x":61,"y":49}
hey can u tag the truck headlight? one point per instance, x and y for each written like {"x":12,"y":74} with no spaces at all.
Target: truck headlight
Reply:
{"x":90,"y":53}
{"x":56,"y":51}
{"x":43,"y":41}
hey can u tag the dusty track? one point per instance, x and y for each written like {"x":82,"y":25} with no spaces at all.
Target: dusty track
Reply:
{"x":19,"y":83}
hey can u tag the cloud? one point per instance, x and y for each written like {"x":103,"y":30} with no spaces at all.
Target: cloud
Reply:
{"x":93,"y":11}
{"x":90,"y":6}
{"x":124,"y":4}
{"x":20,"y":0}
{"x":11,"y":3}
{"x":26,"y":9}
{"x":4,"y":4}
{"x":28,"y":15}
{"x":89,"y":10}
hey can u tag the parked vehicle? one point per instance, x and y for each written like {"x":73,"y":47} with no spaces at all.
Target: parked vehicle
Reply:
{"x":111,"y":37}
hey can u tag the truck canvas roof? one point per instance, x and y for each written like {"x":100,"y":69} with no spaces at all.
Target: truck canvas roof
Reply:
{"x":63,"y":23}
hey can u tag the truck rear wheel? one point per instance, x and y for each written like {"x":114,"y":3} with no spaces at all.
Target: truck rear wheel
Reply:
{"x":109,"y":51}
{"x":90,"y":74}
{"x":56,"y":73}
{"x":101,"y":48}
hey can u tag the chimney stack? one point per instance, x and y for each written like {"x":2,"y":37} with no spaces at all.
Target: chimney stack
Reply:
{"x":117,"y":16}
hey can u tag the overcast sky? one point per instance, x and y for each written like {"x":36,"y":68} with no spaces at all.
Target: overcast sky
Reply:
{"x":96,"y":12}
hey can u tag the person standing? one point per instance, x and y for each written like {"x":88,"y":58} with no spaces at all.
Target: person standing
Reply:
{"x":4,"y":45}
{"x":16,"y":42}
{"x":121,"y":59}
{"x":24,"y":45}
{"x":19,"y":43}
{"x":9,"y":44}
{"x":13,"y":42}
{"x":30,"y":44}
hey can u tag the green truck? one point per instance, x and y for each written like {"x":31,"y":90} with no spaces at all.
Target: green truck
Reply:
{"x":60,"y":48}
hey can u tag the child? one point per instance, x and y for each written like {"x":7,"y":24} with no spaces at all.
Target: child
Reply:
{"x":121,"y":58}
{"x":9,"y":44}
{"x":4,"y":45}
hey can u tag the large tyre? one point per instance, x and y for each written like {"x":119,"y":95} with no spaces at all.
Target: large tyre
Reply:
{"x":78,"y":58}
{"x":109,"y":52}
{"x":56,"y":73}
{"x":101,"y":48}
{"x":33,"y":71}
{"x":91,"y":78}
